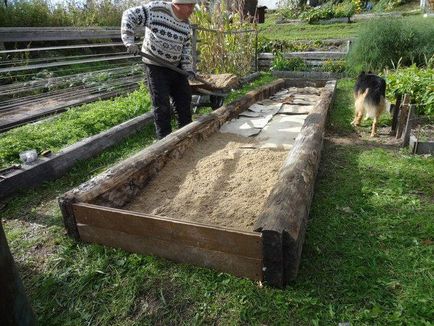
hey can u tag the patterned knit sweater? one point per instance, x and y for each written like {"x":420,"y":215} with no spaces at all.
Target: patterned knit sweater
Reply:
{"x":166,"y":36}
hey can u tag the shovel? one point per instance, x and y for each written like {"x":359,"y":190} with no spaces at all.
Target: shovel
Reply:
{"x":215,"y":91}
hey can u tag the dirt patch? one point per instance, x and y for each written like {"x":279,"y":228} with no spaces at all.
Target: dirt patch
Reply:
{"x":361,"y":137}
{"x":219,"y":182}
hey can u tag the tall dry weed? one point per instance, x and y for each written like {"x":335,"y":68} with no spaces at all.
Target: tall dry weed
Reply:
{"x":227,"y":41}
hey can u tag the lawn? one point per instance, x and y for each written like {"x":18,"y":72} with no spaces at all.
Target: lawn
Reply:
{"x":367,"y":259}
{"x":274,"y":30}
{"x":304,"y":31}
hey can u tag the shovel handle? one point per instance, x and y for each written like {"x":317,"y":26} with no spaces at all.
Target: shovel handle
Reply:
{"x":174,"y":68}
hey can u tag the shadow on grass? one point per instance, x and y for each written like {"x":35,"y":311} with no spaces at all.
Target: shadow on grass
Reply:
{"x":341,"y":255}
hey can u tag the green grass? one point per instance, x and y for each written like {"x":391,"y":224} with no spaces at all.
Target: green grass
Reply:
{"x":367,"y":258}
{"x":71,"y":126}
{"x":304,"y":31}
{"x":264,"y":79}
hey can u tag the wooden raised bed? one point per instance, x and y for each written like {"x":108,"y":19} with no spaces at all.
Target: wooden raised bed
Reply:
{"x":93,"y":211}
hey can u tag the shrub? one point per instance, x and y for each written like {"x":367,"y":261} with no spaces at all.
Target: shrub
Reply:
{"x":388,"y":5}
{"x":315,"y":14}
{"x":384,"y":42}
{"x":36,"y":13}
{"x":345,"y":9}
{"x":280,"y":63}
{"x":418,"y":83}
{"x":328,"y":11}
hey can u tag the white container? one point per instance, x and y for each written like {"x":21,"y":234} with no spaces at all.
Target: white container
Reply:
{"x":29,"y":156}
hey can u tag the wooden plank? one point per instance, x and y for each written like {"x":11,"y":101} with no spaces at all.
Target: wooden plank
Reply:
{"x":309,"y":55}
{"x":15,"y":308}
{"x":7,"y":124}
{"x":272,"y":258}
{"x":403,"y":113}
{"x":209,"y":237}
{"x":409,"y":124}
{"x":71,"y":93}
{"x":286,"y":210}
{"x":306,"y":76}
{"x":66,"y":63}
{"x":395,"y":115}
{"x":25,"y":34}
{"x":14,"y":62}
{"x":267,"y":63}
{"x":191,"y":254}
{"x":65,"y":47}
{"x":12,"y":89}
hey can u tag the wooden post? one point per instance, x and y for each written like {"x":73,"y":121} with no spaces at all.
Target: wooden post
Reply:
{"x":348,"y":45}
{"x":194,"y":46}
{"x":403,"y":112}
{"x":256,"y":50}
{"x":409,"y":125}
{"x":15,"y":308}
{"x":395,"y":114}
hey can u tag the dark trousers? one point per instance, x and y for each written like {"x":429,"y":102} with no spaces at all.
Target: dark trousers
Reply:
{"x":165,"y":84}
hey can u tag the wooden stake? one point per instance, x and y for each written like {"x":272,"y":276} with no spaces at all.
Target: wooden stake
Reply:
{"x":403,"y":113}
{"x":408,"y":126}
{"x":395,"y":114}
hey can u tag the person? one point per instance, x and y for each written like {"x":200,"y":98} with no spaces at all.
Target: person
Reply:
{"x":168,"y":37}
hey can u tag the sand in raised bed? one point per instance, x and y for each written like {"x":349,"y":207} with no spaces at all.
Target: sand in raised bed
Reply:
{"x":216,"y":182}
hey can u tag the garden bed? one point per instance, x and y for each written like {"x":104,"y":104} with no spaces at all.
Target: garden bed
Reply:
{"x":422,"y":140}
{"x":251,"y":225}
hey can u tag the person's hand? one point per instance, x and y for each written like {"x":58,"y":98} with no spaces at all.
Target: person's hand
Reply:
{"x":133,"y":49}
{"x":191,"y":75}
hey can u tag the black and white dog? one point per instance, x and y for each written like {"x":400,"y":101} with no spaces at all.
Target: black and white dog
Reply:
{"x":369,"y":99}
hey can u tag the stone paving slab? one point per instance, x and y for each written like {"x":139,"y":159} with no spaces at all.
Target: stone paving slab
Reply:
{"x":281,"y":132}
{"x":295,"y":109}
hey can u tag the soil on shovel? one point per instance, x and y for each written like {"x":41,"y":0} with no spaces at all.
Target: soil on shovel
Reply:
{"x":221,"y":181}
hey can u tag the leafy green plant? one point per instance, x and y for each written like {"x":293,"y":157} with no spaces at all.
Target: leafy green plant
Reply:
{"x":389,"y":5}
{"x":358,"y":5}
{"x":280,"y":63}
{"x":416,"y":82}
{"x":328,"y":11}
{"x":384,"y":42}
{"x":345,"y":10}
{"x":315,"y":14}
